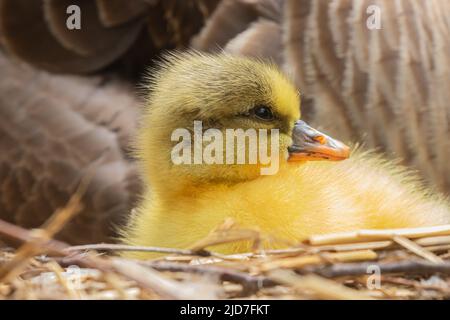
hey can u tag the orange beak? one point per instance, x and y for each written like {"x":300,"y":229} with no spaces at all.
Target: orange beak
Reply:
{"x":310,"y":144}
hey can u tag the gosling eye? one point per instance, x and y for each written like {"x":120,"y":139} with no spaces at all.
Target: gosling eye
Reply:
{"x":263,"y":113}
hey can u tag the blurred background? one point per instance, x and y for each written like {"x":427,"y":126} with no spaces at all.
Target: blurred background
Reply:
{"x":374,"y":72}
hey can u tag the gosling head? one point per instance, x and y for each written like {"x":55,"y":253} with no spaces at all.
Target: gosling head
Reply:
{"x":224,"y":119}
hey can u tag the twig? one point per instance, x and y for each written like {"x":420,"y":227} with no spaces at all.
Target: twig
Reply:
{"x":16,"y":233}
{"x":353,"y":246}
{"x":121,"y":247}
{"x":249,"y":283}
{"x":320,"y":287}
{"x":416,"y":267}
{"x":154,"y":281}
{"x":415,"y":284}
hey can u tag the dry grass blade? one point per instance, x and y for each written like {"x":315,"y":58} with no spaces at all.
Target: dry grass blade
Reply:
{"x":417,"y":249}
{"x":121,"y":247}
{"x":299,"y":262}
{"x":431,"y":241}
{"x":165,"y":287}
{"x":58,"y":271}
{"x":368,"y":235}
{"x":250,"y":283}
{"x":319,"y":287}
{"x":443,"y":247}
{"x":225,"y":233}
{"x":354,"y":246}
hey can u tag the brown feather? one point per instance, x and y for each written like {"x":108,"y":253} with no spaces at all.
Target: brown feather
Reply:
{"x":229,"y":19}
{"x":116,"y":12}
{"x":252,"y":41}
{"x":52,"y":137}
